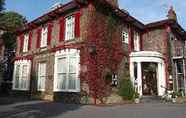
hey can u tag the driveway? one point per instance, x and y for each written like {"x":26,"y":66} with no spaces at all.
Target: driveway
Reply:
{"x":41,"y":109}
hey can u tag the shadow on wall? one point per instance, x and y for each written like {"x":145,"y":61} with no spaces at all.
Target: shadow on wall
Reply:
{"x":39,"y":110}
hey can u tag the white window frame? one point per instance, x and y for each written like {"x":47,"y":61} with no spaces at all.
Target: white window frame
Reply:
{"x":41,"y":78}
{"x":61,"y":54}
{"x":25,"y":43}
{"x":44,"y":37}
{"x":69,"y":28}
{"x":136,"y":41}
{"x":25,"y":81}
{"x":125,"y":36}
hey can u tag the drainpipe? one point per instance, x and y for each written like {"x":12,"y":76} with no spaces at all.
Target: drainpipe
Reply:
{"x":184,"y":70}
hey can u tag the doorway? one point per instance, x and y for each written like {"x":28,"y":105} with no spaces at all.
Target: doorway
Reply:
{"x":149,"y":79}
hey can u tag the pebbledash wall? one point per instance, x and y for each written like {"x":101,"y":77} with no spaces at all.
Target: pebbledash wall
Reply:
{"x":56,"y":53}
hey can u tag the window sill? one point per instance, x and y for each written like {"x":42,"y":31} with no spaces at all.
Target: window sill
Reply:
{"x":41,"y":90}
{"x":69,"y":40}
{"x":67,"y":91}
{"x":19,"y":89}
{"x":125,"y":43}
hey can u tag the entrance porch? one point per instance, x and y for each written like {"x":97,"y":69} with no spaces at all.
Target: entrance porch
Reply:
{"x":147,"y":71}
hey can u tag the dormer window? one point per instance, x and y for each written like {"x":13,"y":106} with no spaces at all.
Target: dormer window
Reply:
{"x":125,"y":37}
{"x":44,"y":35}
{"x":25,"y":43}
{"x":69,"y":27}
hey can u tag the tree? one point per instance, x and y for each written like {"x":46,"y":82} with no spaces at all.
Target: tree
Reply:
{"x":2,"y":3}
{"x":10,"y":21}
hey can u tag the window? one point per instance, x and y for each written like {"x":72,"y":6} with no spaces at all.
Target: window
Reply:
{"x":17,"y":76}
{"x":44,"y":36}
{"x":25,"y":44}
{"x":70,"y":27}
{"x":41,"y":77}
{"x":67,"y":71}
{"x":21,"y":75}
{"x":179,"y":66}
{"x":136,"y":41}
{"x":125,"y":37}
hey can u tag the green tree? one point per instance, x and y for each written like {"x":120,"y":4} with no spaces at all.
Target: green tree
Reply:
{"x":11,"y":21}
{"x":2,"y":3}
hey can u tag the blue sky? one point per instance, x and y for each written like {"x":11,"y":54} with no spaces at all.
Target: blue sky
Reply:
{"x":144,"y":10}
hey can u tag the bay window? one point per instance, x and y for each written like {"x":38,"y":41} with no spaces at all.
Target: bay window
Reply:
{"x":69,"y":28}
{"x":21,"y":77}
{"x":67,"y":71}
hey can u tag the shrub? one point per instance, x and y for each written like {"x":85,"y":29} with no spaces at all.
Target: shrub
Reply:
{"x":126,"y":90}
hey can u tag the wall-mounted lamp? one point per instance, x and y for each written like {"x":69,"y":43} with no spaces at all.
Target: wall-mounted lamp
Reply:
{"x":92,"y":50}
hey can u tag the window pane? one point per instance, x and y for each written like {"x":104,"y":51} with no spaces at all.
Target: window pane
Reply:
{"x":61,"y":81}
{"x":41,"y":76}
{"x":69,"y":28}
{"x":72,"y":65}
{"x":25,"y":70}
{"x":44,"y":36}
{"x":17,"y":76}
{"x":62,"y":65}
{"x":125,"y":37}
{"x":72,"y":81}
{"x":25,"y":47}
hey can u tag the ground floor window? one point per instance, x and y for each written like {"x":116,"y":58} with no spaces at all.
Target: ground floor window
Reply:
{"x":67,"y":71}
{"x":21,"y":75}
{"x":41,"y":77}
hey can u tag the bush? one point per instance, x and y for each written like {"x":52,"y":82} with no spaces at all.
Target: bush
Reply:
{"x":126,"y":90}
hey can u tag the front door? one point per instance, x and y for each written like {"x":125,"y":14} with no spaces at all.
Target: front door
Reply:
{"x":149,"y":80}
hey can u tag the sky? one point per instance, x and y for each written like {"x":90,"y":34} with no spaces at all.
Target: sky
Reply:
{"x":145,"y":11}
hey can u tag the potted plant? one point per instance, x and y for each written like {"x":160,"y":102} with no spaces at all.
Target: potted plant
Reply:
{"x":136,"y":98}
{"x":173,"y":97}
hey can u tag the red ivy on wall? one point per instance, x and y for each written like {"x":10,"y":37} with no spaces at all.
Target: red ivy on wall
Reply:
{"x":109,"y":54}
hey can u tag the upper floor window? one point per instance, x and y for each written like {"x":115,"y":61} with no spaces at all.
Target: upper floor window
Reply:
{"x":136,"y":41}
{"x":44,"y":35}
{"x":185,"y":44}
{"x":70,"y":27}
{"x":125,"y":36}
{"x":25,"y":43}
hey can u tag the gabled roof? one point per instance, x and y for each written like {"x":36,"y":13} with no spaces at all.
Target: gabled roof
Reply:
{"x":172,"y":23}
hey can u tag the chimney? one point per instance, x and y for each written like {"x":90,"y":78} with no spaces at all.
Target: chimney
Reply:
{"x":113,"y":2}
{"x":56,"y":5}
{"x":172,"y":14}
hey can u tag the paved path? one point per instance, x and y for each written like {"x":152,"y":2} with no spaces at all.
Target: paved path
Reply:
{"x":40,"y":109}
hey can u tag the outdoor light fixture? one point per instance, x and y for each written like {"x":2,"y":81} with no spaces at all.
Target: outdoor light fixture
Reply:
{"x":92,"y":50}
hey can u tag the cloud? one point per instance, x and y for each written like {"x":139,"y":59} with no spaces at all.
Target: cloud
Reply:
{"x":148,"y":11}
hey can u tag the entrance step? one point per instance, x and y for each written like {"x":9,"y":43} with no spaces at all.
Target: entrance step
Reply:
{"x":151,"y":99}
